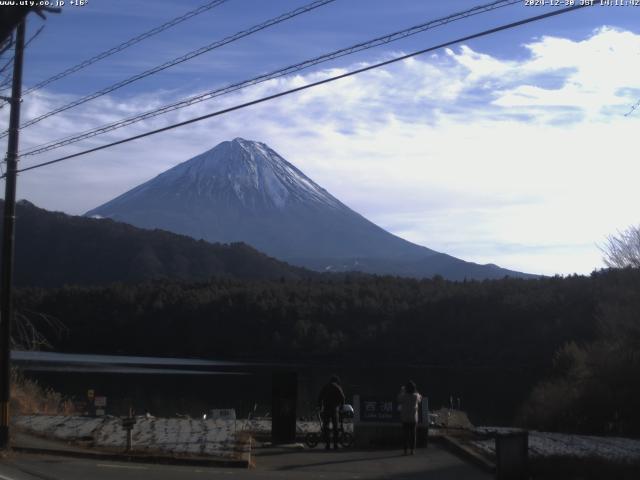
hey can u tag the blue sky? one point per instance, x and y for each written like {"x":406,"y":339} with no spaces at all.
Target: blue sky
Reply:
{"x":512,"y":149}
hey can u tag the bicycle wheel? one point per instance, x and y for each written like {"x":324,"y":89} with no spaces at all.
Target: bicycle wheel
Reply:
{"x":346,"y":439}
{"x":311,"y":439}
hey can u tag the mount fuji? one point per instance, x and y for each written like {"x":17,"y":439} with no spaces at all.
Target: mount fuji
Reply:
{"x":244,"y":191}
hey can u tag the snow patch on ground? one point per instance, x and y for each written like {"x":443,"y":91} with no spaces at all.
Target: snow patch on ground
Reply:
{"x":210,"y":437}
{"x":547,"y":444}
{"x":168,"y":435}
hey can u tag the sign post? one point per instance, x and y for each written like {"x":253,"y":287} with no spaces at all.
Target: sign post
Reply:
{"x":127,"y":424}
{"x":100,"y":405}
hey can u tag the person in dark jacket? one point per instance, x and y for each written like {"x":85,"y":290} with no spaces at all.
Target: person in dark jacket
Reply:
{"x":330,"y":400}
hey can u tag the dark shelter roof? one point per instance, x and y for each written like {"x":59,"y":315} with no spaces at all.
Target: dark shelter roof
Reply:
{"x":11,"y":16}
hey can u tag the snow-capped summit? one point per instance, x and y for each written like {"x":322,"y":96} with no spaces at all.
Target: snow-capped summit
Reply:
{"x":251,"y":171}
{"x":242,"y":190}
{"x":242,"y":172}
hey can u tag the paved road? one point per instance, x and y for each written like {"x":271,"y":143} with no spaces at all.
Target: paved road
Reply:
{"x":434,"y":463}
{"x":431,"y":463}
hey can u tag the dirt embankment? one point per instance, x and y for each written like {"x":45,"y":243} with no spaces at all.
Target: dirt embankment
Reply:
{"x":28,"y":397}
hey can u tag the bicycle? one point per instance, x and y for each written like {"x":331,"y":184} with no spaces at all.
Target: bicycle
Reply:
{"x":345,"y":439}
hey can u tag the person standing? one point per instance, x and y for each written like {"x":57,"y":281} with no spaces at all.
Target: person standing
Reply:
{"x":331,"y":398}
{"x":409,"y":400}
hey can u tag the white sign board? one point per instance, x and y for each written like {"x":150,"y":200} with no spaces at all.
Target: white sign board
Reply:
{"x":100,"y":401}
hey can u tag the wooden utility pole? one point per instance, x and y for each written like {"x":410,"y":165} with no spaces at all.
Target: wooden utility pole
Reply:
{"x":8,"y":237}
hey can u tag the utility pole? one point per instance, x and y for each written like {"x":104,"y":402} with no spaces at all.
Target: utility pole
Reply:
{"x":6,"y":293}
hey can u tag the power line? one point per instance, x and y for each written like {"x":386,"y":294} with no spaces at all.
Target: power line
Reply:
{"x":10,"y":61}
{"x":385,"y":39}
{"x":116,"y":49}
{"x":633,"y":108}
{"x":311,"y":85}
{"x":7,"y":82}
{"x":7,"y":44}
{"x":188,"y":56}
{"x":127,"y":44}
{"x":6,"y":65}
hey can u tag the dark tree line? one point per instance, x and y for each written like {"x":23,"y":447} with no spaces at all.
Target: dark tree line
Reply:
{"x":578,"y":337}
{"x":594,"y":386}
{"x":363,"y":317}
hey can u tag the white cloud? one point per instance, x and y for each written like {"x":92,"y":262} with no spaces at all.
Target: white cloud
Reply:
{"x":526,"y":164}
{"x":598,"y":70}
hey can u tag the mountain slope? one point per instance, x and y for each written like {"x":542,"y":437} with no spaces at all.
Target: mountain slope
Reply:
{"x":53,"y":249}
{"x":244,"y":191}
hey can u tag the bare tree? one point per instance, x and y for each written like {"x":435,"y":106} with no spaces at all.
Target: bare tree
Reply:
{"x":623,"y":250}
{"x":27,"y":330}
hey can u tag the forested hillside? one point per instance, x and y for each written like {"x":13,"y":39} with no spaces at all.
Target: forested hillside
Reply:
{"x":54,"y":249}
{"x":387,"y":318}
{"x":546,"y":329}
